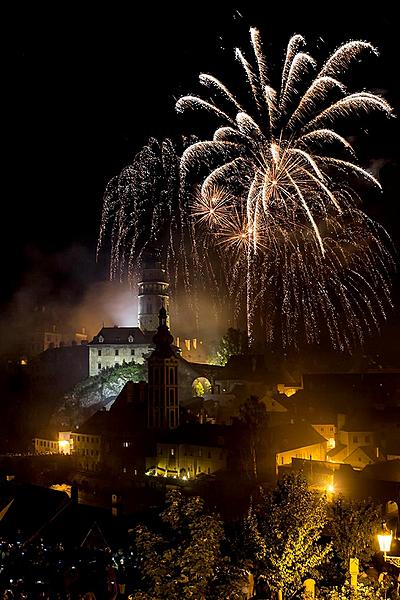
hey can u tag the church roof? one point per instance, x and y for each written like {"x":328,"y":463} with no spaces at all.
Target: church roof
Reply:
{"x":122,"y":335}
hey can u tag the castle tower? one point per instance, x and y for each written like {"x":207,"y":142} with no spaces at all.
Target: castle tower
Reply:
{"x":153,"y":294}
{"x":163,"y":400}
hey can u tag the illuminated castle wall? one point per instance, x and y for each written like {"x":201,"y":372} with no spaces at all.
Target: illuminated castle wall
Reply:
{"x":114,"y":345}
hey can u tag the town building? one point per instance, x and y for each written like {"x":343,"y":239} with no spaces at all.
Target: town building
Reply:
{"x":141,"y":433}
{"x":190,"y":451}
{"x":297,"y":440}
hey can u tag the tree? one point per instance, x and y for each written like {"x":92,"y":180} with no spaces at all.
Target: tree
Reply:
{"x":253,"y":415}
{"x":108,"y":383}
{"x":233,"y":342}
{"x":184,"y":559}
{"x":284,"y":539}
{"x":353,"y":526}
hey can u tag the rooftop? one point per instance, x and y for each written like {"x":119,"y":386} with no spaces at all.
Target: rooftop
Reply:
{"x":121,"y":335}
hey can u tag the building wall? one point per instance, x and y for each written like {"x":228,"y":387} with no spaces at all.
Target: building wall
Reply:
{"x":87,"y":449}
{"x":44,"y":446}
{"x":358,"y":459}
{"x":328,"y":431}
{"x":113,"y":354}
{"x":313,"y":452}
{"x":185,"y":460}
{"x":355,"y":439}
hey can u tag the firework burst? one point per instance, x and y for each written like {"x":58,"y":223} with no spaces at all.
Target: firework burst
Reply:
{"x":305,"y":254}
{"x":146,"y":212}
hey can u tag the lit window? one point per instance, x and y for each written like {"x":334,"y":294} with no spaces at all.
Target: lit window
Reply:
{"x":172,"y":451}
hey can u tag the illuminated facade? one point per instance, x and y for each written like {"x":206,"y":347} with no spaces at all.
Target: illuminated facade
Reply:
{"x":45,"y":446}
{"x":114,"y":346}
{"x":187,"y":460}
{"x":87,"y":449}
{"x":153,"y":295}
{"x":297,"y":440}
{"x":328,"y":431}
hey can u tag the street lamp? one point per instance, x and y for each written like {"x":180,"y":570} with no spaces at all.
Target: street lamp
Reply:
{"x":385,"y":541}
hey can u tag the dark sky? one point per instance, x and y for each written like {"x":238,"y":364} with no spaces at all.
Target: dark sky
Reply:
{"x":84,"y":88}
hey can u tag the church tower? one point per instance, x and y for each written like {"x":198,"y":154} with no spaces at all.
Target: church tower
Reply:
{"x":153,"y":294}
{"x":163,"y":400}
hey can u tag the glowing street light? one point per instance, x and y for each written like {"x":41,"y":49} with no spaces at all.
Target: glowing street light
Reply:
{"x":385,"y":542}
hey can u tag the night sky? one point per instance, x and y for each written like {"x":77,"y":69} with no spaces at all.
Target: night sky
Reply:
{"x":84,"y":89}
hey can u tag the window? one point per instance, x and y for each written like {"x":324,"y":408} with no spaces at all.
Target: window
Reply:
{"x":199,"y":451}
{"x":199,"y":469}
{"x":101,"y":339}
{"x":126,"y":444}
{"x":98,"y":352}
{"x":208,"y":470}
{"x":132,"y":351}
{"x":355,"y":439}
{"x":117,"y":352}
{"x":172,"y":451}
{"x":367,"y":439}
{"x":130,"y":339}
{"x":209,"y":454}
{"x":79,"y":439}
{"x":99,"y":366}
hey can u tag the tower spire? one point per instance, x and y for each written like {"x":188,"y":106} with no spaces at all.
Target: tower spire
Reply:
{"x":163,"y":403}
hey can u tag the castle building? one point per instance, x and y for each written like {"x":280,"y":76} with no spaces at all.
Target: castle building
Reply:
{"x":113,"y":346}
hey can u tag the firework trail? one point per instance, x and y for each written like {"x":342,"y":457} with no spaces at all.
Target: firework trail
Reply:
{"x":145,"y":212}
{"x":279,"y":200}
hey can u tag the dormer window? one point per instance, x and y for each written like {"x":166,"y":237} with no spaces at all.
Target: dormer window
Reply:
{"x":101,"y":339}
{"x":130,"y":339}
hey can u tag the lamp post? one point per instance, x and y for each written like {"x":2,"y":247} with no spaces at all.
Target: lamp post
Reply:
{"x":385,"y":542}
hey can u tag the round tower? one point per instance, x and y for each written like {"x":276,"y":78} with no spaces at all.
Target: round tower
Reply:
{"x":153,"y":295}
